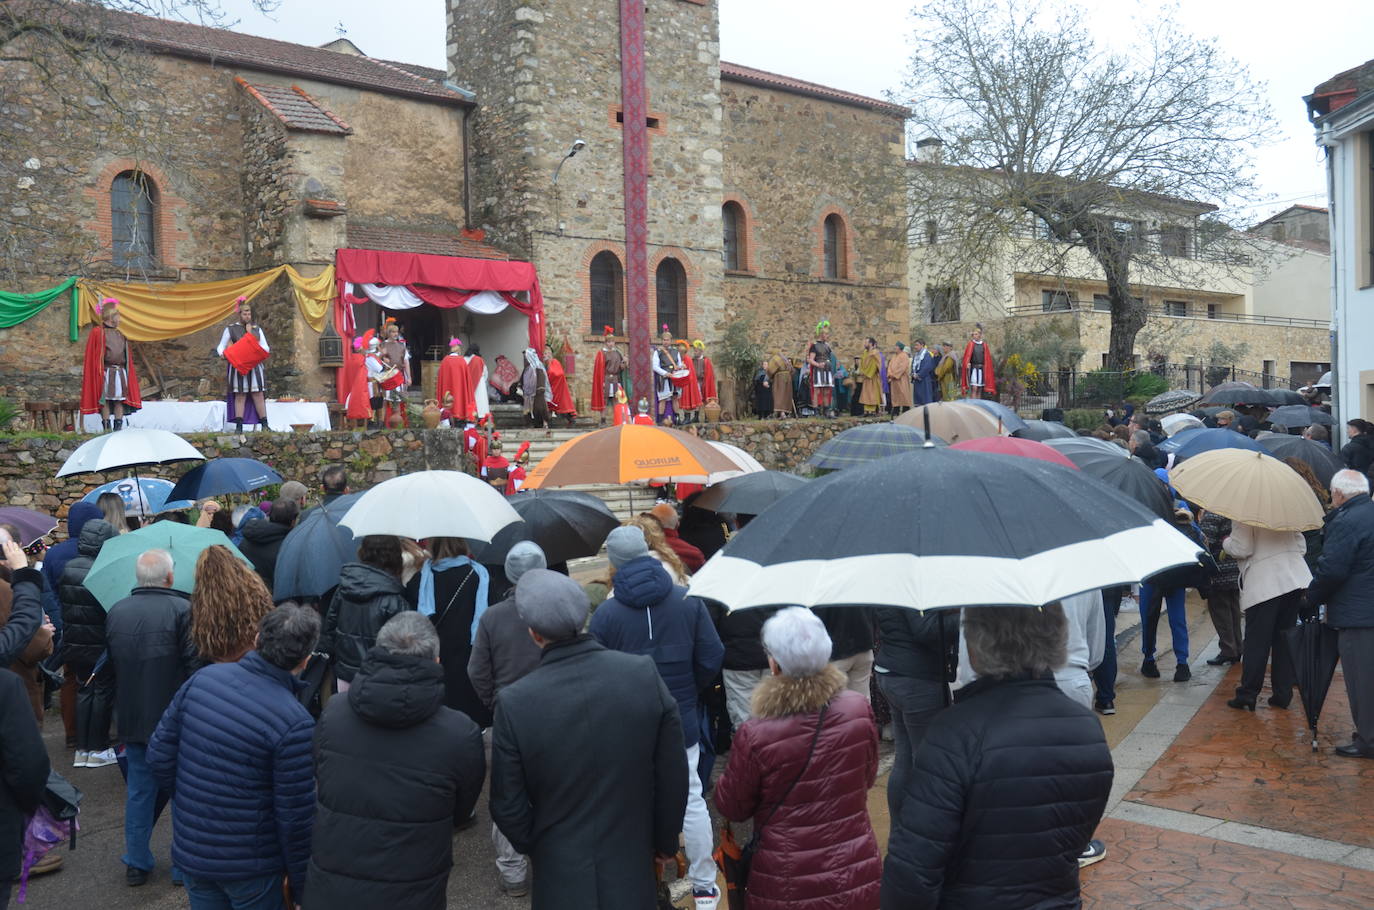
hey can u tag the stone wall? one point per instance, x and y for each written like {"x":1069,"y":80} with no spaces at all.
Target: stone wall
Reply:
{"x":778,"y":445}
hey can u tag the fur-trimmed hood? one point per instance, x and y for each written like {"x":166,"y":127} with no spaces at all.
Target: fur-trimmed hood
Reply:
{"x":782,"y":696}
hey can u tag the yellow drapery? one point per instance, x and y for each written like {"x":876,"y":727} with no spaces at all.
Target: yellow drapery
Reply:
{"x":156,"y":312}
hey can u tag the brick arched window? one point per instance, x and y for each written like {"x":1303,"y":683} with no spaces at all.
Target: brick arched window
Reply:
{"x":607,"y":286}
{"x":133,"y":220}
{"x":736,"y":228}
{"x":670,"y":284}
{"x":835,"y":248}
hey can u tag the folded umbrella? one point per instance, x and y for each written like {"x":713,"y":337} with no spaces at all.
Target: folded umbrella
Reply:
{"x":224,"y":475}
{"x":750,"y":494}
{"x":936,"y":528}
{"x":627,"y":453}
{"x":31,"y":525}
{"x":867,"y":442}
{"x":1297,"y":416}
{"x":130,"y":448}
{"x":953,"y":421}
{"x":431,"y":504}
{"x":1042,"y":430}
{"x":111,"y":577}
{"x":1251,"y":487}
{"x":1115,"y":467}
{"x":565,"y":523}
{"x":1011,"y":421}
{"x":1011,"y":445}
{"x":1323,"y":462}
{"x":1312,"y":645}
{"x":142,"y":496}
{"x":314,"y":552}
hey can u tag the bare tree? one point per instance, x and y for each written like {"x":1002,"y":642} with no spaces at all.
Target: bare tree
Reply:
{"x":1049,"y":135}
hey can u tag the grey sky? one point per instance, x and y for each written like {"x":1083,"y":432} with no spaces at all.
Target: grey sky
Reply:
{"x":863,"y":46}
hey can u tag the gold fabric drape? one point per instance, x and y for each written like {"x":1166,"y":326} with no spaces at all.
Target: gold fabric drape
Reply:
{"x":156,"y":312}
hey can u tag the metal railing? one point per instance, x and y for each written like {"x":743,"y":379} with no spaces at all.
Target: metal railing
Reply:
{"x":1157,"y":311}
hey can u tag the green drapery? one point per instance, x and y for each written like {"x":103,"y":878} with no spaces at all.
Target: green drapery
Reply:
{"x":16,"y":308}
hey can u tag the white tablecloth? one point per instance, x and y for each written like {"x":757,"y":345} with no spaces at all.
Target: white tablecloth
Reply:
{"x":208,"y":416}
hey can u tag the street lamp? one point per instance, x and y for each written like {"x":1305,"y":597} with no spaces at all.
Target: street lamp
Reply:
{"x":577,"y":146}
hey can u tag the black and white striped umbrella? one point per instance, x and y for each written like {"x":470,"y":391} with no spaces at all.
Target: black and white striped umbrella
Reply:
{"x":937,"y":528}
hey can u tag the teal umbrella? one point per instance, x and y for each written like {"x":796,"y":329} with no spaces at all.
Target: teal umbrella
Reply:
{"x":112,"y":575}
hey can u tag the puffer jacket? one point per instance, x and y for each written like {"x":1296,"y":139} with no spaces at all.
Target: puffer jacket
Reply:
{"x":234,"y":750}
{"x":365,"y":599}
{"x":648,"y":614}
{"x":910,"y":642}
{"x":261,"y":542}
{"x":1358,"y":452}
{"x":395,"y":769}
{"x":83,"y":618}
{"x":1345,"y":572}
{"x":817,"y":850}
{"x":1003,"y":796}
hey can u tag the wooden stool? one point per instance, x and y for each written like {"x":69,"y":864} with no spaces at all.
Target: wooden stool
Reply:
{"x":69,"y":410}
{"x":43,"y":415}
{"x":336,"y":416}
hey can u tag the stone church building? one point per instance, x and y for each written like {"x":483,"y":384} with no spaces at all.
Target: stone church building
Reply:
{"x":768,"y":197}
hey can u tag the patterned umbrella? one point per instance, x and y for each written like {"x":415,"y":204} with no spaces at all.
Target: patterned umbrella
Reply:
{"x":869,"y":442}
{"x":1174,"y":400}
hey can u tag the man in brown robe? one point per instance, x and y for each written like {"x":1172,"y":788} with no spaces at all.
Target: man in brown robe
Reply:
{"x":899,"y":379}
{"x":869,"y":371}
{"x":779,"y":371}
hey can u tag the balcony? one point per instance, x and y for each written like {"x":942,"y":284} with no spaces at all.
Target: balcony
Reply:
{"x":1165,"y":311}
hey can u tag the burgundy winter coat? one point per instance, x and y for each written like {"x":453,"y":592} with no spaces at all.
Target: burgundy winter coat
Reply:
{"x":818,"y":851}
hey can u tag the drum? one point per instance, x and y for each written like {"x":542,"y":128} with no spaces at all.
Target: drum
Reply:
{"x":679,"y":378}
{"x":390,"y":379}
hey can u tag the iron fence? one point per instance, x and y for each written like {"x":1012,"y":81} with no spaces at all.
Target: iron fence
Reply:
{"x":1068,"y":389}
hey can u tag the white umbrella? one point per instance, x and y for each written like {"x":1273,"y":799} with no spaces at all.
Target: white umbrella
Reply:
{"x":129,"y":449}
{"x":1175,"y":423}
{"x":431,"y":504}
{"x":744,"y":464}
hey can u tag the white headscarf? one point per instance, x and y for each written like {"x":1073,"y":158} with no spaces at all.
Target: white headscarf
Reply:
{"x":532,"y":359}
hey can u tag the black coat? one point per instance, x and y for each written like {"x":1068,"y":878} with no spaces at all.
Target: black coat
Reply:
{"x":261,"y":543}
{"x":850,"y":628}
{"x":742,"y":634}
{"x":1004,"y":794}
{"x":589,"y":775}
{"x":1358,"y":452}
{"x":394,"y":770}
{"x":455,"y":605}
{"x":362,"y":603}
{"x":23,"y":770}
{"x":149,"y":637}
{"x":1344,"y":579}
{"x":83,"y":618}
{"x":917,"y":645}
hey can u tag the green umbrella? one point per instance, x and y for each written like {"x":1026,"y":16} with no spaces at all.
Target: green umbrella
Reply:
{"x":112,"y":575}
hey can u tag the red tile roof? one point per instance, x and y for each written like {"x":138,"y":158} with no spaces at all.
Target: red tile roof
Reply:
{"x":747,"y":74}
{"x":296,"y":109}
{"x":1341,"y":89}
{"x":224,"y":47}
{"x":407,"y":240}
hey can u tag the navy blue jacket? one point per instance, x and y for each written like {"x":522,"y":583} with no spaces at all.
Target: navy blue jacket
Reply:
{"x":234,"y":748}
{"x":651,"y":615}
{"x":58,"y":555}
{"x":1344,"y":578}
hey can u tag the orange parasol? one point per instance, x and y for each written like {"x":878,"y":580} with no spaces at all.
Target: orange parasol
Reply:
{"x":627,"y":453}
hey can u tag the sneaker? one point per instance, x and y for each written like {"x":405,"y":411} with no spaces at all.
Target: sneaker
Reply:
{"x":516,"y":889}
{"x":705,"y":898}
{"x":1182,"y":673}
{"x":1095,"y":852}
{"x":135,"y":877}
{"x":79,"y":761}
{"x":1107,"y":708}
{"x":101,"y":759}
{"x":1150,"y":669}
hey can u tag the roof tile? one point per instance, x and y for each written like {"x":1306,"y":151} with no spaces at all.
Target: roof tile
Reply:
{"x":747,"y":74}
{"x":405,"y":240}
{"x":296,"y":109}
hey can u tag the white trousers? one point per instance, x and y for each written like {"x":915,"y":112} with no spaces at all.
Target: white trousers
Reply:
{"x":697,"y":836}
{"x":739,"y":689}
{"x":1078,"y":686}
{"x":857,"y":670}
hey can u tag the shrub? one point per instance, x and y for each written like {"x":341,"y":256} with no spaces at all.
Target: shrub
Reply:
{"x":1083,"y":419}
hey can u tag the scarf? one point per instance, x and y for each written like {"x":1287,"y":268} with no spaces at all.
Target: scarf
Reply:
{"x":425,"y":602}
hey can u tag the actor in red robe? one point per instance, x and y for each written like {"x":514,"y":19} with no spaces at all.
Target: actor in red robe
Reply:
{"x":353,"y":383}
{"x":978,"y":373}
{"x":475,"y":444}
{"x":455,"y":380}
{"x":690,"y":401}
{"x":108,"y":382}
{"x":643,"y":417}
{"x":495,"y":468}
{"x":705,"y":370}
{"x":516,"y":478}
{"x":477,"y":383}
{"x":560,"y":399}
{"x":621,"y":414}
{"x":607,"y":374}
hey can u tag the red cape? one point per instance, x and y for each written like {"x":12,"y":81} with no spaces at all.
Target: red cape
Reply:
{"x":454,"y":378}
{"x":476,"y":443}
{"x":599,"y":382}
{"x":709,"y":389}
{"x":515,"y":479}
{"x":559,"y":396}
{"x":620,"y":413}
{"x":353,"y":387}
{"x":690,"y":399}
{"x":644,"y":420}
{"x":93,"y":375}
{"x":989,"y":379}
{"x":476,"y":367}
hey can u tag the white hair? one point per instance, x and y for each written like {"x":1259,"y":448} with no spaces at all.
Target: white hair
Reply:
{"x":153,"y":569}
{"x":1349,"y":483}
{"x":797,"y":640}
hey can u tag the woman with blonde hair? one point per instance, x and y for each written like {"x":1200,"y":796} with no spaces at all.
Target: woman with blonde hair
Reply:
{"x":112,"y":509}
{"x":228,"y":601}
{"x":658,"y":546}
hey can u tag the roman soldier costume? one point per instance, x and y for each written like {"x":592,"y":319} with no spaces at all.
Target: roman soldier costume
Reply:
{"x":108,"y":382}
{"x":667,"y":367}
{"x":608,"y":374}
{"x":978,"y":373}
{"x":820,"y":359}
{"x":244,"y":346}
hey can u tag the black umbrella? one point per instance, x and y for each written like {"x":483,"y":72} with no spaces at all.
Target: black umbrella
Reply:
{"x":1173,"y":400}
{"x":314,"y":551}
{"x":1042,"y":430}
{"x":1239,"y":396}
{"x":565,"y":523}
{"x":1313,"y":648}
{"x":1323,"y":462}
{"x":224,"y":475}
{"x":937,"y":528}
{"x":1115,"y":467}
{"x":1285,"y":396}
{"x":862,"y":444}
{"x":1297,"y":416}
{"x":749,"y":494}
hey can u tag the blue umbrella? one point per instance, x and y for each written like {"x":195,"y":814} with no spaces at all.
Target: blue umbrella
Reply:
{"x":1202,"y":439}
{"x":224,"y":475}
{"x":314,"y":551}
{"x":1011,"y":421}
{"x":142,"y":495}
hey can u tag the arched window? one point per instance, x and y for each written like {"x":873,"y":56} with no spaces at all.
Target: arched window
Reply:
{"x":607,"y":293}
{"x":835,"y":265}
{"x":670,"y":281}
{"x":736,"y":257}
{"x":133,"y":226}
